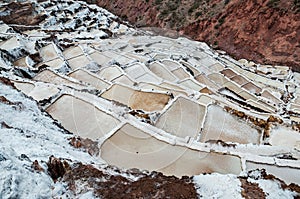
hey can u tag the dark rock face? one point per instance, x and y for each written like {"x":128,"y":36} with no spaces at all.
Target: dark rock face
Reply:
{"x":56,"y":168}
{"x":266,"y":32}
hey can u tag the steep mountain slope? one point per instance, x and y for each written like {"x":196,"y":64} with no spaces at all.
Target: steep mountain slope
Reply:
{"x":267,"y":32}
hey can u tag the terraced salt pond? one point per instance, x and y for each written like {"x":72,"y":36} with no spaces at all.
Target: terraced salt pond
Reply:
{"x":81,"y":117}
{"x":183,"y":118}
{"x":130,"y":147}
{"x":229,"y":128}
{"x":38,"y":91}
{"x":90,"y":78}
{"x":156,"y":103}
{"x":147,"y":101}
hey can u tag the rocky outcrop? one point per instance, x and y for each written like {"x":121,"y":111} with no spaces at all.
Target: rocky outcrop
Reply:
{"x":57,"y":168}
{"x":266,"y":32}
{"x":86,"y":144}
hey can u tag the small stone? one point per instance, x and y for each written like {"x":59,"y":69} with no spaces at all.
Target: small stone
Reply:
{"x":36,"y":166}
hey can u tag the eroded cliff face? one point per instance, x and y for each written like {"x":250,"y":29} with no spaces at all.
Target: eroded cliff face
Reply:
{"x":263,"y":31}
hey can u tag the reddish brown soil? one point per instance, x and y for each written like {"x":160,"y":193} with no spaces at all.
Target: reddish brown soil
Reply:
{"x":6,"y":81}
{"x":104,"y":185}
{"x":254,"y":31}
{"x":87,"y":144}
{"x":251,"y":190}
{"x":267,"y":32}
{"x":154,"y":185}
{"x":5,"y":101}
{"x":80,"y":178}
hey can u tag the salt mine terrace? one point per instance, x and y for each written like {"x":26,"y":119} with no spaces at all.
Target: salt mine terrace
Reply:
{"x":155,"y":103}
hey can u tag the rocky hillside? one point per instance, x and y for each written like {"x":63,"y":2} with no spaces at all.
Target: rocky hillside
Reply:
{"x":264,"y":31}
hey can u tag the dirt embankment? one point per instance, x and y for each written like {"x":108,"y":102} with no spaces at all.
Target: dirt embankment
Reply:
{"x":80,"y":177}
{"x":267,"y":32}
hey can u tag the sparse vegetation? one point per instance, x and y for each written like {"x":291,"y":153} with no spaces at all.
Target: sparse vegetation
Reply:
{"x":198,"y":14}
{"x":173,"y":12}
{"x":285,"y":6}
{"x":163,"y":14}
{"x":124,"y":17}
{"x":273,"y":3}
{"x":173,"y":5}
{"x":222,"y":20}
{"x":297,"y":6}
{"x":194,"y":7}
{"x":157,"y":2}
{"x":215,"y":43}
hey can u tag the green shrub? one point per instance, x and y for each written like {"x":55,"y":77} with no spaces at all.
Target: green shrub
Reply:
{"x":157,"y":2}
{"x":198,"y":14}
{"x":297,"y":5}
{"x":195,"y":5}
{"x":221,"y":20}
